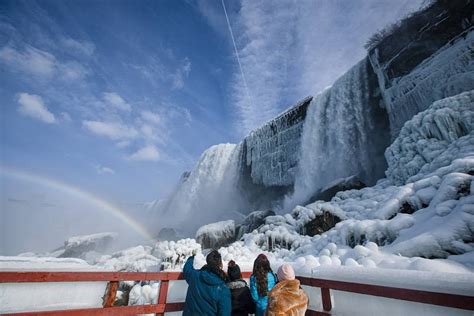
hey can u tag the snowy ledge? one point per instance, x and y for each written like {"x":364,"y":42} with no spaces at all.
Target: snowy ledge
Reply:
{"x":440,"y":282}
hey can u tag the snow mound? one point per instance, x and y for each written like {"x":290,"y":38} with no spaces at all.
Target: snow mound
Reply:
{"x":135,"y":259}
{"x":15,"y":263}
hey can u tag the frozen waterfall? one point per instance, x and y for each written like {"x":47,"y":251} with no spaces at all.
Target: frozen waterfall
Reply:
{"x":209,"y":192}
{"x":344,"y":134}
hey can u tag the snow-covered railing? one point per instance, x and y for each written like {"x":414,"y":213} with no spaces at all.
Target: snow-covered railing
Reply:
{"x":113,"y":279}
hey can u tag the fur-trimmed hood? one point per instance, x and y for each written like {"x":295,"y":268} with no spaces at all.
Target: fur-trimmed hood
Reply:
{"x":237,"y":284}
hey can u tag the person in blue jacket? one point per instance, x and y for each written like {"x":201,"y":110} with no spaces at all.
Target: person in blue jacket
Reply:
{"x":262,"y":281}
{"x":207,"y":293}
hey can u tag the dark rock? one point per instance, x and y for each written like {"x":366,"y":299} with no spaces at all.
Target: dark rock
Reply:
{"x":320,"y":224}
{"x":167,"y":234}
{"x":407,"y":208}
{"x":253,"y":221}
{"x":326,"y":194}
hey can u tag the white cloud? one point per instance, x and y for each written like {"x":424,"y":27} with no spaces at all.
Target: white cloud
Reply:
{"x":41,"y":64}
{"x":123,"y":144}
{"x":32,"y":61}
{"x":32,"y":105}
{"x":112,"y":130}
{"x":212,"y":11}
{"x":72,"y":71}
{"x":147,"y":153}
{"x":104,"y":170}
{"x":151,"y":117}
{"x":65,"y":117}
{"x":84,"y":47}
{"x":181,"y":74}
{"x":116,"y":101}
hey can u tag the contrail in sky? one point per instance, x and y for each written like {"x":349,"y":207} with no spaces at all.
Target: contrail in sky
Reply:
{"x":236,"y":52}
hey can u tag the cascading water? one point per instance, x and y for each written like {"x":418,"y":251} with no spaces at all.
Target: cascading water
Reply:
{"x":209,"y":192}
{"x":345,"y":134}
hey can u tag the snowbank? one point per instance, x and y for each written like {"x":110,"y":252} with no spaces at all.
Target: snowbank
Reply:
{"x":18,"y":297}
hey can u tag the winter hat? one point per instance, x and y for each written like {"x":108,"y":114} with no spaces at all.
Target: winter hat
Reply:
{"x":233,"y":271}
{"x":286,"y":272}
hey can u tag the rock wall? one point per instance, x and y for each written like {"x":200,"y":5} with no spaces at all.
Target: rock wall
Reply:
{"x":271,"y":151}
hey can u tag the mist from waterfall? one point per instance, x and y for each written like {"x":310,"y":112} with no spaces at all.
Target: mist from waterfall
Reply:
{"x":208,"y":193}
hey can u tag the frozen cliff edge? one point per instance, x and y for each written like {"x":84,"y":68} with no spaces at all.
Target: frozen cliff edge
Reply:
{"x":425,"y":223}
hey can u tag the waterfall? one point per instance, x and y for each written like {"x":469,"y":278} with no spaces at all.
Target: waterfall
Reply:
{"x":344,"y":134}
{"x":209,"y":193}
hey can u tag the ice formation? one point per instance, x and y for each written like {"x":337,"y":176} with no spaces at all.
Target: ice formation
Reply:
{"x":429,"y":134}
{"x":216,"y":235}
{"x":400,"y":224}
{"x":447,"y":72}
{"x":272,"y":151}
{"x":341,"y":136}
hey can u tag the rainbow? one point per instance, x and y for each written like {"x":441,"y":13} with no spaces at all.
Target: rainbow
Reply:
{"x":79,"y":193}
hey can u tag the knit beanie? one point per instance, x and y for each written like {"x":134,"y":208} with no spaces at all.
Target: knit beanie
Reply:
{"x":286,"y":272}
{"x":233,"y":271}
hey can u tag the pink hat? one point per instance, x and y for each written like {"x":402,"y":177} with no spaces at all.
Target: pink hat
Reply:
{"x":286,"y":272}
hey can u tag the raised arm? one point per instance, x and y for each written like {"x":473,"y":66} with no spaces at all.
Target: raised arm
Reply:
{"x":188,"y":268}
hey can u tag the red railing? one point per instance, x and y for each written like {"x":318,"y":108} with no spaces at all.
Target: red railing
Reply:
{"x":113,"y":279}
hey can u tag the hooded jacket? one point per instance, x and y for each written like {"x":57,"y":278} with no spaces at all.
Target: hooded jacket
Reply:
{"x":207,"y":293}
{"x":287,"y":298}
{"x":261,"y":301}
{"x":242,"y":302}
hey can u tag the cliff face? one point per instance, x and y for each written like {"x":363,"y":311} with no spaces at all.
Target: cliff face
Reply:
{"x":271,"y":151}
{"x":427,"y":57}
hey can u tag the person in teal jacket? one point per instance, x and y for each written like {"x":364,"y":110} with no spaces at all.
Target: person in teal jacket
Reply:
{"x":207,"y":293}
{"x":262,"y":281}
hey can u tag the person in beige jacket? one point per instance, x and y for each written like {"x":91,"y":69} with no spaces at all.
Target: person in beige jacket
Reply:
{"x":287,"y":297}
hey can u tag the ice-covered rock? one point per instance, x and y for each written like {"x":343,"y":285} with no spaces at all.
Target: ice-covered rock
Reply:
{"x":349,"y":183}
{"x":88,"y":247}
{"x":253,"y":221}
{"x":216,"y":235}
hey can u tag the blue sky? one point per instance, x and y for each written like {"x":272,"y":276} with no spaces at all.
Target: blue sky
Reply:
{"x":118,"y":98}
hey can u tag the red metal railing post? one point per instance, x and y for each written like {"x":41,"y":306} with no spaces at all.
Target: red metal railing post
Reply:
{"x":326,"y":297}
{"x":163,"y":294}
{"x":110,"y":294}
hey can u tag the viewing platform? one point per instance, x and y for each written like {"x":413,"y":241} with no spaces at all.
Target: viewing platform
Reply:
{"x":327,"y":297}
